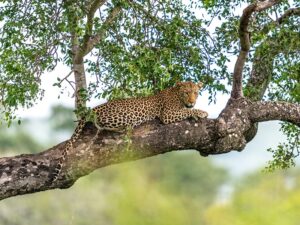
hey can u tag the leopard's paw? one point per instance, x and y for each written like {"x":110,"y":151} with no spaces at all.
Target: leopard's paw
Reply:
{"x":201,"y":114}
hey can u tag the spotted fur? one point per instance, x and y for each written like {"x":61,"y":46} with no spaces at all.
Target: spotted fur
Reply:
{"x":170,"y":105}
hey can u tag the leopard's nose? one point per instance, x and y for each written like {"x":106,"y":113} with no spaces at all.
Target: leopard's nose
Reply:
{"x":190,"y":105}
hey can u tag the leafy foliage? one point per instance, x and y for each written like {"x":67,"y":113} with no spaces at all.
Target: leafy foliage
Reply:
{"x":159,"y":44}
{"x":148,"y":46}
{"x":29,"y":41}
{"x":285,"y":154}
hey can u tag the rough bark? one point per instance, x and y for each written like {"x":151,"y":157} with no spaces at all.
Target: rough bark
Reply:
{"x":80,"y":82}
{"x":31,"y":173}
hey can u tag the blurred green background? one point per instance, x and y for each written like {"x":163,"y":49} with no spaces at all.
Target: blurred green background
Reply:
{"x":175,"y":188}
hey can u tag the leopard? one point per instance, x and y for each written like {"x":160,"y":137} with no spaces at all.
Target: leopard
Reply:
{"x":169,"y":106}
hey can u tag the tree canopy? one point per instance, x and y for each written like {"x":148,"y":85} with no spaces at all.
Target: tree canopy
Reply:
{"x":131,"y":48}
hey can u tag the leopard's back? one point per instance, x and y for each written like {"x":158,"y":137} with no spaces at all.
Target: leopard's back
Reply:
{"x":127,"y":112}
{"x":119,"y":114}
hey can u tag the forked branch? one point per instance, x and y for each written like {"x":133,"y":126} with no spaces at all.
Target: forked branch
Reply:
{"x":267,"y":51}
{"x":90,"y":22}
{"x":244,"y":34}
{"x":93,"y":40}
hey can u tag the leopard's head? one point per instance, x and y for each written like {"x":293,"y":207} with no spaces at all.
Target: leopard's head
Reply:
{"x":188,"y":92}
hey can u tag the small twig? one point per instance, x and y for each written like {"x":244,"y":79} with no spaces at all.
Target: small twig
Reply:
{"x":66,"y":77}
{"x":70,"y":83}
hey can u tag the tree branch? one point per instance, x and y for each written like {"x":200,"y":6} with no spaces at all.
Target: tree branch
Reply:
{"x":79,"y":51}
{"x":31,"y":173}
{"x":263,"y":5}
{"x":78,"y":66}
{"x":245,"y":44}
{"x":264,"y":57}
{"x":93,"y":149}
{"x":89,"y":24}
{"x":92,"y":41}
{"x":288,"y":13}
{"x":284,"y":111}
{"x":263,"y":61}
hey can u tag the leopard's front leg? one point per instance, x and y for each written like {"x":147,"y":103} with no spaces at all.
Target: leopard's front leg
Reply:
{"x":169,"y":116}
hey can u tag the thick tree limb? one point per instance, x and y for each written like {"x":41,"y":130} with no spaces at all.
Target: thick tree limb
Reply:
{"x":263,"y":5}
{"x":31,"y":173}
{"x":245,"y":44}
{"x":284,"y":111}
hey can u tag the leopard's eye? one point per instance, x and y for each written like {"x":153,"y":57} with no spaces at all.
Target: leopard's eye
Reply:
{"x":186,"y":93}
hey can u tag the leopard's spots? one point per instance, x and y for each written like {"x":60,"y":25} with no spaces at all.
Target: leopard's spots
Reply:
{"x":170,"y":105}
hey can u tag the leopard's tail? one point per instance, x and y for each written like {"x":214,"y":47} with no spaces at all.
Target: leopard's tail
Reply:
{"x":66,"y":150}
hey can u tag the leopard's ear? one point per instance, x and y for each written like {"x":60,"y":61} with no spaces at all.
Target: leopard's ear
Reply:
{"x":200,"y":85}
